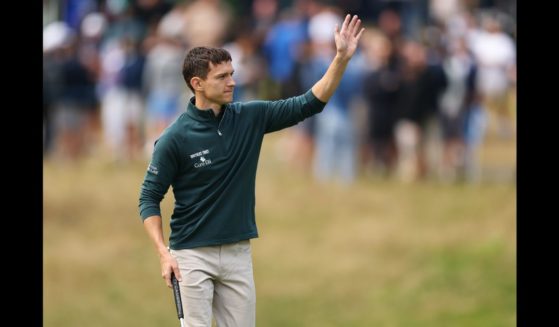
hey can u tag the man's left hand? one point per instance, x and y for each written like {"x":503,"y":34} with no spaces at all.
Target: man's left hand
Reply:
{"x":348,"y":36}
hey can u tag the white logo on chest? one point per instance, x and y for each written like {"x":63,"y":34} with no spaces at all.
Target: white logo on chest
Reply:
{"x":203,"y":161}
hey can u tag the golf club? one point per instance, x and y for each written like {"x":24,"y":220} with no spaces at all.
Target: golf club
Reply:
{"x":178,"y":302}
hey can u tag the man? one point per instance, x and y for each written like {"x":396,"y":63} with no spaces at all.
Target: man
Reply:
{"x":210,"y":155}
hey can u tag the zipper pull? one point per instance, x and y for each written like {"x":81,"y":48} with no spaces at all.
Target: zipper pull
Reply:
{"x":219,"y":125}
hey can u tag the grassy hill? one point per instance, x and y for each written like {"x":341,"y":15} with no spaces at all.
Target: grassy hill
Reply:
{"x":378,"y":253}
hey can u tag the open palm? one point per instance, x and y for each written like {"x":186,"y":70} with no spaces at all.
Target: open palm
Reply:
{"x":348,"y":36}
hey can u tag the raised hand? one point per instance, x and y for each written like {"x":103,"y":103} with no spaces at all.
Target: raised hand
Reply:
{"x":348,"y":36}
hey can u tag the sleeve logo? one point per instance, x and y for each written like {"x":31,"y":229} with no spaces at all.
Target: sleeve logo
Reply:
{"x":152,"y":169}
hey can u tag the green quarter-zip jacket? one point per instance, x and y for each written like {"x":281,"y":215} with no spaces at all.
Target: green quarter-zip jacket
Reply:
{"x":211,"y":164}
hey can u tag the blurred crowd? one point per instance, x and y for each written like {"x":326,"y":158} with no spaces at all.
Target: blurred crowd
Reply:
{"x":432,"y":79}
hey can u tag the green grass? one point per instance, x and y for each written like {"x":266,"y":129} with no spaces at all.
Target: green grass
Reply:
{"x":380,"y":253}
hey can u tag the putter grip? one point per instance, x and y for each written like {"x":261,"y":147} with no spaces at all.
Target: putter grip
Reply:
{"x":177,"y":294}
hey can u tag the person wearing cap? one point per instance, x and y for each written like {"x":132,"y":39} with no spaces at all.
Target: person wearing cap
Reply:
{"x":209,"y":155}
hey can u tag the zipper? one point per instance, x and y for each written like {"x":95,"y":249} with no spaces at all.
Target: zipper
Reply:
{"x":222,"y":119}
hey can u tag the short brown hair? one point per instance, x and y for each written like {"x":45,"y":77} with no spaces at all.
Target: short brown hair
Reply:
{"x":197,"y":62}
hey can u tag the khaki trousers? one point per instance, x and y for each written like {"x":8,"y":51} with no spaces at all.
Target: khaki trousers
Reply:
{"x":217,"y":280}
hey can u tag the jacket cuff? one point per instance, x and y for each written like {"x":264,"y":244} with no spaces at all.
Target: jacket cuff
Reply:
{"x":315,"y":104}
{"x":148,"y":212}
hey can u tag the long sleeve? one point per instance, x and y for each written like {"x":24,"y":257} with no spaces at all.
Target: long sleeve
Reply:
{"x":159,"y":176}
{"x":288,"y":112}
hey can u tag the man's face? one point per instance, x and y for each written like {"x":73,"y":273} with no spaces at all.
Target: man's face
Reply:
{"x":219,"y":84}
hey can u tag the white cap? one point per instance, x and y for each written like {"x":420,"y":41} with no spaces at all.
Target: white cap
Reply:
{"x":56,"y":35}
{"x":171,"y":25}
{"x":93,"y":25}
{"x":321,"y":26}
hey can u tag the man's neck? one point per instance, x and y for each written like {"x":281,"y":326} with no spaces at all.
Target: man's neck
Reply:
{"x":202,"y":103}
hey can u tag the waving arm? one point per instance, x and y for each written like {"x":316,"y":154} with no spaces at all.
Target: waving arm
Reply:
{"x":346,"y":40}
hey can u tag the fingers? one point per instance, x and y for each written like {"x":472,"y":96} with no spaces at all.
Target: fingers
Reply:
{"x":177,"y":273}
{"x":354,"y":26}
{"x":168,"y":271}
{"x":351,"y":25}
{"x":345,"y":23}
{"x":167,"y":278}
{"x":169,"y":266}
{"x":360,"y":33}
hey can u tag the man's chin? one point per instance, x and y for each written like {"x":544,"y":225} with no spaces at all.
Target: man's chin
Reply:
{"x":228,"y":98}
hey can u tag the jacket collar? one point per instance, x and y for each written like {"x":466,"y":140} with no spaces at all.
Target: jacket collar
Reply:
{"x":202,"y":114}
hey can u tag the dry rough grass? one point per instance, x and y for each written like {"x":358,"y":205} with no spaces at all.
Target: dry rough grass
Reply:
{"x":380,"y":253}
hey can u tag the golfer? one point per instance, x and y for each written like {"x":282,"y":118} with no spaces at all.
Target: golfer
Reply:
{"x":210,"y":155}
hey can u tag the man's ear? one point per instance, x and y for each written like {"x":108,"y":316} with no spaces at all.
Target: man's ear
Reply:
{"x":196,"y":83}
